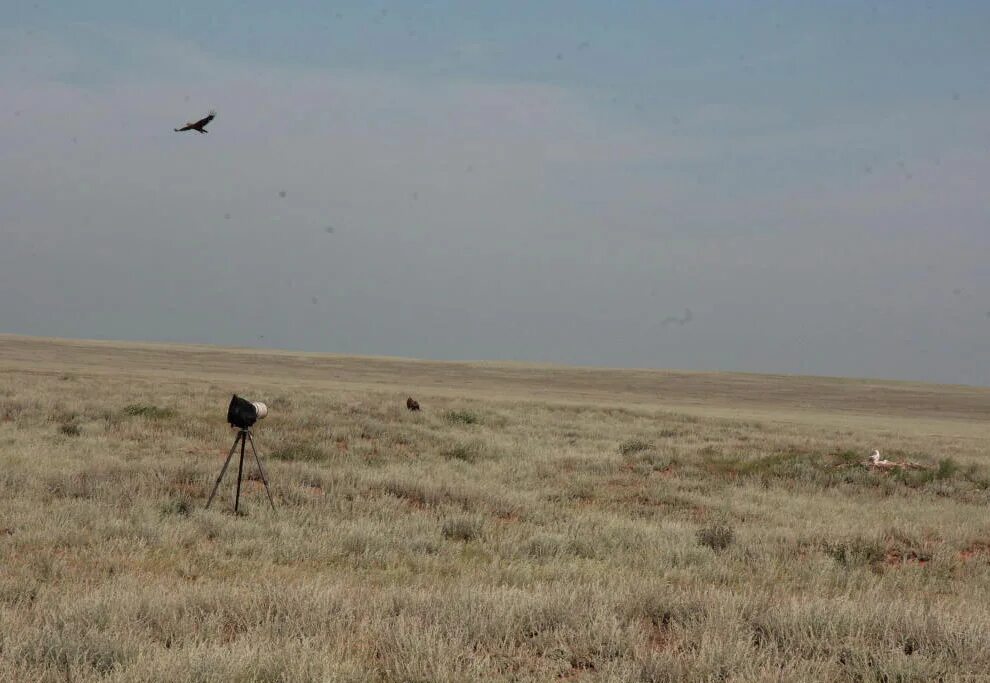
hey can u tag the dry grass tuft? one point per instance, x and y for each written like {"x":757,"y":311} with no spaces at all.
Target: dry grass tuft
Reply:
{"x":464,"y":417}
{"x":149,"y":411}
{"x":463,"y":528}
{"x":717,"y":536}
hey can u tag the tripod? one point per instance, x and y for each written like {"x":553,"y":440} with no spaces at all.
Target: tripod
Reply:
{"x":243,"y":436}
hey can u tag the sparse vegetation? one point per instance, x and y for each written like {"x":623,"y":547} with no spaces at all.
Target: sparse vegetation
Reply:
{"x":149,"y":411}
{"x":463,"y":528}
{"x":178,"y":505}
{"x":298,"y":450}
{"x":717,"y":535}
{"x":70,"y":429}
{"x":464,"y":417}
{"x":947,"y":467}
{"x":856,"y":551}
{"x":565,"y":538}
{"x":634,"y":446}
{"x":470,"y":451}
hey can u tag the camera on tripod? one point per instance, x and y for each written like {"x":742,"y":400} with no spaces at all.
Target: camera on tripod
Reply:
{"x":242,"y":414}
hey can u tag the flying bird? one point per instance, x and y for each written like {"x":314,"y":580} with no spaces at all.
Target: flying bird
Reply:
{"x":199,"y":126}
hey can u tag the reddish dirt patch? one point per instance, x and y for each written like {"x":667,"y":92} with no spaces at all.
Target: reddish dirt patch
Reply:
{"x":403,"y":449}
{"x":416,"y":503}
{"x":975,"y":551}
{"x":579,"y":667}
{"x":193,"y":490}
{"x":619,"y":484}
{"x":228,"y":632}
{"x":657,"y":634}
{"x":315,"y":489}
{"x":645,"y":500}
{"x":895,"y":557}
{"x":700,"y":513}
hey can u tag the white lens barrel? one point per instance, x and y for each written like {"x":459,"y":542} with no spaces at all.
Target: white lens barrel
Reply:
{"x":260,"y":408}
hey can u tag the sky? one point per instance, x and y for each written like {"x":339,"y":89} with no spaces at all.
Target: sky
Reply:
{"x":786,"y":187}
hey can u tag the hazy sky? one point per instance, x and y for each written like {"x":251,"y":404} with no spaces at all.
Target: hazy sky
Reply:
{"x":785,"y":187}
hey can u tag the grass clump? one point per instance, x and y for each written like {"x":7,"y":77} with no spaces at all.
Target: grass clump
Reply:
{"x":632,"y":446}
{"x":847,"y":457}
{"x":651,"y":461}
{"x":947,"y":467}
{"x":854,"y":552}
{"x":70,"y":429}
{"x":463,"y":528}
{"x":946,"y":470}
{"x":470,"y":452}
{"x":178,"y":505}
{"x":148,"y":411}
{"x":718,"y":535}
{"x":464,"y":417}
{"x":300,"y":452}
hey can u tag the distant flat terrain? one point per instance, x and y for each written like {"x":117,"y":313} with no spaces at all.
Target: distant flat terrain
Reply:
{"x":712,"y":390}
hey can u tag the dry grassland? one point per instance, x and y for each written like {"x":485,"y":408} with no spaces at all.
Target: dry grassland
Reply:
{"x":531,"y":523}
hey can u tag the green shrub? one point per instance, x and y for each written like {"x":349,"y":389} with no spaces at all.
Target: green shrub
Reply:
{"x":946,"y":468}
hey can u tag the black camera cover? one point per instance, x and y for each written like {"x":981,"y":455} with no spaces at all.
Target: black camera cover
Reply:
{"x":241,"y":413}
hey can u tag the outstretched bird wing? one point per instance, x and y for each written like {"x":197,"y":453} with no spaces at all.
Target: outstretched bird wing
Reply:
{"x":196,"y":125}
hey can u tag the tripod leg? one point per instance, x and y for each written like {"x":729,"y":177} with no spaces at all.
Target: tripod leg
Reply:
{"x":240,"y":467}
{"x":262,"y":470}
{"x":224,"y":470}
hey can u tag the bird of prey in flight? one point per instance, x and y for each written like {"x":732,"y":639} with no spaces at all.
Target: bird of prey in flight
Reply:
{"x":199,"y":126}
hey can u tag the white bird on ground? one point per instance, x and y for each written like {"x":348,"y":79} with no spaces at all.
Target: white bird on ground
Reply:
{"x":875,"y":459}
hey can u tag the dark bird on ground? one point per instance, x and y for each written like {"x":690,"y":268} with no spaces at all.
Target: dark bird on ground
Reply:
{"x":199,"y":126}
{"x":412,"y":404}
